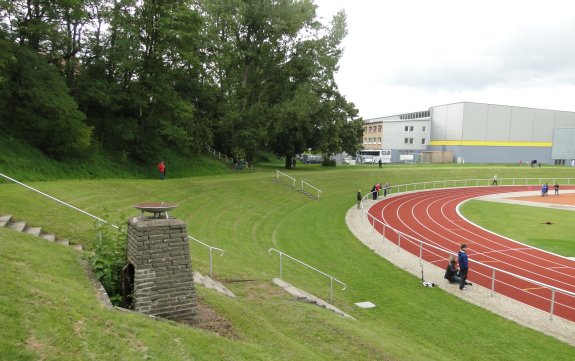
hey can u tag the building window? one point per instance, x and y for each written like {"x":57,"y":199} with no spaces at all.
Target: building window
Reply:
{"x":422,"y":140}
{"x":406,"y":128}
{"x":424,"y":128}
{"x":411,"y":128}
{"x":405,"y":140}
{"x":364,"y":140}
{"x":378,"y":140}
{"x":379,"y":128}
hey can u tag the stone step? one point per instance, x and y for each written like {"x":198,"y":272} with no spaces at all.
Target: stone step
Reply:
{"x":50,"y":237}
{"x":21,"y":226}
{"x":35,"y":231}
{"x":208,"y":282}
{"x":5,"y":220}
{"x":63,"y":241}
{"x":18,"y":226}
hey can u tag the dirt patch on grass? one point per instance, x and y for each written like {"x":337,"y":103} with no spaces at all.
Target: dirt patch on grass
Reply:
{"x":210,"y":320}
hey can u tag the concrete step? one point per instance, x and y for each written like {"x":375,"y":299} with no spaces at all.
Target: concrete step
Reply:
{"x":35,"y":231}
{"x":18,"y":226}
{"x":306,"y":297}
{"x":63,"y":241}
{"x":208,"y":282}
{"x":5,"y":220}
{"x":21,"y":226}
{"x":49,"y":237}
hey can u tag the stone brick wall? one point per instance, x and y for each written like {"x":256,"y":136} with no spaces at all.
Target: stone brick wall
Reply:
{"x":163,"y":280}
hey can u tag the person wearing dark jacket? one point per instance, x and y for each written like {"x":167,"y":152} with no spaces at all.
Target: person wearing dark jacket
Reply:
{"x":452,"y":272}
{"x":463,"y":261}
{"x":359,"y":199}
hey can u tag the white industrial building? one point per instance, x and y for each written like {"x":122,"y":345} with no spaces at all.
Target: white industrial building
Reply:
{"x":475,"y":133}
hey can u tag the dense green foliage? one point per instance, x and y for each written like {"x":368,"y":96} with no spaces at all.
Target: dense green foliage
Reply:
{"x":25,"y":163}
{"x":108,"y":258}
{"x":246,"y":213}
{"x":131,"y":78}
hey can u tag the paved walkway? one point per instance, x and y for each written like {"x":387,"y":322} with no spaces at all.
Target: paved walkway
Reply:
{"x":506,"y":307}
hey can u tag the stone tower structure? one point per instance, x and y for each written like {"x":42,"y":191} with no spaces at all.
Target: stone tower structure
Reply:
{"x":160,"y":268}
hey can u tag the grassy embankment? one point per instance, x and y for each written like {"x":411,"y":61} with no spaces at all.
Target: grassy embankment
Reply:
{"x":49,"y":312}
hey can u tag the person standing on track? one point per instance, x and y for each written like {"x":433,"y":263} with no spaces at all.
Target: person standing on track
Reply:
{"x":556,"y":186}
{"x":463,"y":261}
{"x":359,"y":199}
{"x":494,"y":183}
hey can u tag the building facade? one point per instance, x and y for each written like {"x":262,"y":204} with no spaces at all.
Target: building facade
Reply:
{"x":477,"y":133}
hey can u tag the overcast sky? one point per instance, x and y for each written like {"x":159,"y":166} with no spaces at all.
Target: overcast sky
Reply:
{"x":409,"y":55}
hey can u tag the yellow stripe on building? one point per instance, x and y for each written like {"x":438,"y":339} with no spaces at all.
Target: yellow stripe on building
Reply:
{"x":487,"y":143}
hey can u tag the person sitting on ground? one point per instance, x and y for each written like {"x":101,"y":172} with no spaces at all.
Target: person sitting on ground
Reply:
{"x":452,"y":271}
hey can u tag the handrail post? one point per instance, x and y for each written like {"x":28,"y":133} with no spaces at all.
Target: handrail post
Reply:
{"x":331,"y":289}
{"x":308,"y":266}
{"x":493,"y":282}
{"x":211,"y":270}
{"x":552,"y":303}
{"x":420,"y":251}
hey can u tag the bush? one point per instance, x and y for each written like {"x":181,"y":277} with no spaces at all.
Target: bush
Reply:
{"x":109,"y":258}
{"x":328,"y":163}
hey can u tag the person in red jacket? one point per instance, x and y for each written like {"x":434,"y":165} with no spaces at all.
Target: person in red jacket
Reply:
{"x":162,"y":169}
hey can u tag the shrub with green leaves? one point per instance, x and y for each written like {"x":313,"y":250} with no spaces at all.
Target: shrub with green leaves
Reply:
{"x":109,"y":258}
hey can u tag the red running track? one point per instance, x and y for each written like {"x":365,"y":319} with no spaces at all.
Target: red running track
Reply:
{"x":432,"y":217}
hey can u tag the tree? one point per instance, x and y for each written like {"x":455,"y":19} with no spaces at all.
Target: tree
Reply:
{"x":40,"y":109}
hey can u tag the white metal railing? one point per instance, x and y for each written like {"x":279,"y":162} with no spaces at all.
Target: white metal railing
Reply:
{"x":211,"y":248}
{"x":417,"y":246}
{"x":303,"y":183}
{"x":331,"y":278}
{"x":100,"y":220}
{"x":282,"y":174}
{"x":219,"y":155}
{"x":318,"y":191}
{"x":476,"y":182}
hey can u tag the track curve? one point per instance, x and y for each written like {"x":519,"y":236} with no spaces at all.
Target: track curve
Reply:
{"x":432,"y":217}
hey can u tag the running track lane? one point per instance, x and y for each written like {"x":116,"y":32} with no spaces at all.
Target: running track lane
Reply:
{"x":431,"y":216}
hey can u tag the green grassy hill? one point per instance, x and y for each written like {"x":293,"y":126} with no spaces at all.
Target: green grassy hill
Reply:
{"x":51,"y":313}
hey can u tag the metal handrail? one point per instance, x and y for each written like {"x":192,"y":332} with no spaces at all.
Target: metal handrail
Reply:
{"x":219,"y":155}
{"x":309,"y":185}
{"x":56,"y":199}
{"x":103,"y":220}
{"x":412,"y":239}
{"x":313,"y":268}
{"x":278,"y":173}
{"x":211,"y":248}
